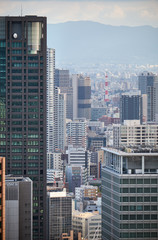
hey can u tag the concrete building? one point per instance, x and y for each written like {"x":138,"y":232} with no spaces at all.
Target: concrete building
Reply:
{"x":132,"y":133}
{"x":62,"y":80}
{"x":2,"y":198}
{"x":86,"y":191}
{"x":148,"y":84}
{"x":19,"y":213}
{"x":23,"y":106}
{"x":77,"y":133}
{"x":53,"y":175}
{"x":60,"y":120}
{"x":74,"y":177}
{"x":50,"y":104}
{"x":130,"y":107}
{"x":95,"y":141}
{"x":79,"y":157}
{"x":81,"y":96}
{"x":129,"y":194}
{"x":59,"y":214}
{"x":89,"y":224}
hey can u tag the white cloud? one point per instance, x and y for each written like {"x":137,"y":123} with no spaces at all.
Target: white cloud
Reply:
{"x":132,"y":13}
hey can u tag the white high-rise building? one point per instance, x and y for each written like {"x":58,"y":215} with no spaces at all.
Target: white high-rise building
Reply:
{"x":77,"y":133}
{"x":59,"y":120}
{"x":50,"y":103}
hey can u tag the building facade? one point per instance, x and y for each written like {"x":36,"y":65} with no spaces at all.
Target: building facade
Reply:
{"x":23,"y":106}
{"x":59,"y":213}
{"x":19,"y":213}
{"x":130,"y":107}
{"x":50,"y":103}
{"x":88,"y":223}
{"x":132,"y":133}
{"x":129,"y":194}
{"x":81,"y":96}
{"x":2,"y":198}
{"x":77,"y":133}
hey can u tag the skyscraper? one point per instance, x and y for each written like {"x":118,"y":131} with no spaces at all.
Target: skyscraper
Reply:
{"x":50,"y":104}
{"x":23,"y":106}
{"x":131,"y":107}
{"x":62,"y":80}
{"x":148,"y":84}
{"x":81,"y":96}
{"x":129,"y":194}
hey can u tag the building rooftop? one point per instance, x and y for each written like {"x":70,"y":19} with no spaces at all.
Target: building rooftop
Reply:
{"x":134,"y":151}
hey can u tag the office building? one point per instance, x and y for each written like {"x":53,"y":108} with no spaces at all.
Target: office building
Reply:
{"x":148,"y":84}
{"x":59,"y":213}
{"x":86,"y":191}
{"x":60,"y":120}
{"x":75,"y":176}
{"x":129,"y":194}
{"x":88,"y":223}
{"x":2,"y":198}
{"x":19,"y":207}
{"x":81,"y":96}
{"x":77,"y":133}
{"x":95,"y":141}
{"x":79,"y":157}
{"x":132,"y":133}
{"x":62,"y":80}
{"x":23,"y":106}
{"x":130,"y":107}
{"x":50,"y":103}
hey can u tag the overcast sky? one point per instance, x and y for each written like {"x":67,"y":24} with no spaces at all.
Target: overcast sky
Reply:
{"x":113,"y":12}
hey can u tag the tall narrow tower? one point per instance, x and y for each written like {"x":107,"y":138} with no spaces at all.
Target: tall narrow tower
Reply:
{"x":23,"y":106}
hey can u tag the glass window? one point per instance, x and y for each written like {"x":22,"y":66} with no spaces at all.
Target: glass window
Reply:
{"x":132,"y":235}
{"x":146,"y":234}
{"x":154,"y":225}
{"x":132,"y":190}
{"x":146,"y":217}
{"x":140,"y":225}
{"x":146,"y":199}
{"x":125,"y":181}
{"x":146,"y":190}
{"x":132,"y":199}
{"x":139,"y":217}
{"x":139,"y":181}
{"x":132,"y":181}
{"x":139,"y":208}
{"x":146,"y":208}
{"x":132,"y":217}
{"x":132,"y":208}
{"x":125,"y":190}
{"x":154,"y":208}
{"x":139,"y":199}
{"x":139,"y":234}
{"x":154,"y":181}
{"x":147,"y":225}
{"x":153,"y":190}
{"x":132,"y":226}
{"x":139,"y":190}
{"x":153,"y":199}
{"x":153,"y":216}
{"x":146,"y":181}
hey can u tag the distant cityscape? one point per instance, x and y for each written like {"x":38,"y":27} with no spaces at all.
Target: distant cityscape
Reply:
{"x":78,"y":142}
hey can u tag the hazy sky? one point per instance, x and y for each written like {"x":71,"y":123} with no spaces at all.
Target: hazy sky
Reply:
{"x":113,"y":12}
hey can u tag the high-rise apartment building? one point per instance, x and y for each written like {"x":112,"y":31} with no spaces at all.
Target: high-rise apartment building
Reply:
{"x":18,"y":208}
{"x":77,"y":133}
{"x":23,"y":106}
{"x":2,"y":198}
{"x":59,"y":120}
{"x":50,"y":103}
{"x":130,"y":194}
{"x":81,"y":96}
{"x":130,"y":107}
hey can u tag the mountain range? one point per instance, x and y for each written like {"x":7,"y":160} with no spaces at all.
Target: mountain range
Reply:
{"x":92,"y":42}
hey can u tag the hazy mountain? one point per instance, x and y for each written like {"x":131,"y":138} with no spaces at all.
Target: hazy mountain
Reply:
{"x":93,"y":42}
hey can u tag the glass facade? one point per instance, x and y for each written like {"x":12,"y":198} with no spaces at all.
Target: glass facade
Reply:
{"x":23,"y":106}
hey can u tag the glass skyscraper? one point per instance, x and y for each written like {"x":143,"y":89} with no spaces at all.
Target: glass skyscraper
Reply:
{"x":23,"y":106}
